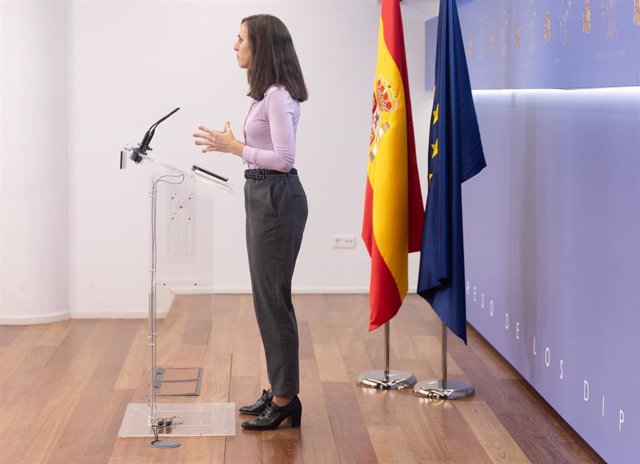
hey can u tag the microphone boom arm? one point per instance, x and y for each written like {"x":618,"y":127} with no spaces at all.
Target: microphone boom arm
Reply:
{"x":141,"y":150}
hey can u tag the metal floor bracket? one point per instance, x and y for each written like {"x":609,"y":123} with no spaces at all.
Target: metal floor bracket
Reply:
{"x":178,"y":381}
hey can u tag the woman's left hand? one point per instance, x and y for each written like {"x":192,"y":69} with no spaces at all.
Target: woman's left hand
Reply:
{"x":223,"y":141}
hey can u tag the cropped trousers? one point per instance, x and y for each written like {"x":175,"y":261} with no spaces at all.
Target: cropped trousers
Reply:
{"x":276,"y":211}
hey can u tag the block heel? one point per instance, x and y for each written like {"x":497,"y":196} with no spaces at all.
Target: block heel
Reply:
{"x":296,"y":418}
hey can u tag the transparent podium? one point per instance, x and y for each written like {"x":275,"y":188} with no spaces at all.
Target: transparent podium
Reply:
{"x":179,"y":393}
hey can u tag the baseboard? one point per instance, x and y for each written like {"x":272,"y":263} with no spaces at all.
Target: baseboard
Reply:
{"x":190,"y":290}
{"x":296,"y":290}
{"x":118,"y":314}
{"x":162,"y":313}
{"x":34,"y":319}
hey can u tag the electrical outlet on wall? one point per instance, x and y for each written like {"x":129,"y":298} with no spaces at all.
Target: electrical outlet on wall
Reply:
{"x":343,"y":241}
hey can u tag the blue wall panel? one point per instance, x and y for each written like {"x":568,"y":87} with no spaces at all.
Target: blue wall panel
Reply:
{"x":552,"y":243}
{"x":565,"y":44}
{"x":552,"y":225}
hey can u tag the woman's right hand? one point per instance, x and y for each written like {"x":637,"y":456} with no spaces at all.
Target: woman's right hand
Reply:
{"x":224,"y":142}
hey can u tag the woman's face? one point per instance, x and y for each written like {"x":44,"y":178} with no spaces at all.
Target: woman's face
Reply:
{"x":242,"y":48}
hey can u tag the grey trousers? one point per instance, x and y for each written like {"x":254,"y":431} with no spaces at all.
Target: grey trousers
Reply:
{"x":276,"y":210}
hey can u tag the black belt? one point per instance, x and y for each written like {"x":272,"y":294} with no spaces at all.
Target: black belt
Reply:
{"x":260,"y":174}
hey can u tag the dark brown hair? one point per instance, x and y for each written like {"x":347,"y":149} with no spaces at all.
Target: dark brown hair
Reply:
{"x":274,"y":59}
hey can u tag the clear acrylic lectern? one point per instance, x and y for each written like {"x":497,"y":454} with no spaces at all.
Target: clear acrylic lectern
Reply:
{"x":186,"y":213}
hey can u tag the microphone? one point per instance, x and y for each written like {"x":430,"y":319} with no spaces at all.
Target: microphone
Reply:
{"x":140,"y":151}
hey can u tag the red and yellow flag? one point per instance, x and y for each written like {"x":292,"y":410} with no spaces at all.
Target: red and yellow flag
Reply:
{"x":393,"y":208}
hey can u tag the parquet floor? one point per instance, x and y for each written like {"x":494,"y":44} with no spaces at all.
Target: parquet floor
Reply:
{"x":64,"y":388}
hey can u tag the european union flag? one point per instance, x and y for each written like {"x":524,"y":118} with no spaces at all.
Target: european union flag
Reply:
{"x":455,"y":155}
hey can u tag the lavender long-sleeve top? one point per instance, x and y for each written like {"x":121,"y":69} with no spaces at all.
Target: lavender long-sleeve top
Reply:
{"x":270,"y":131}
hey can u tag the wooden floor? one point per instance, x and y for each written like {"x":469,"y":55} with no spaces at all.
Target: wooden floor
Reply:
{"x":64,"y":388}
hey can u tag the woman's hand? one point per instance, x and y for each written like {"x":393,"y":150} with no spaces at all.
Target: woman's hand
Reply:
{"x":213,"y":140}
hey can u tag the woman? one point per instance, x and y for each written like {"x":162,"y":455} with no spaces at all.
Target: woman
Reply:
{"x":275,"y":204}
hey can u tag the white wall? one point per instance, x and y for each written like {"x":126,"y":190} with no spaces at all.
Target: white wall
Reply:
{"x":33,"y":158}
{"x":130,"y":62}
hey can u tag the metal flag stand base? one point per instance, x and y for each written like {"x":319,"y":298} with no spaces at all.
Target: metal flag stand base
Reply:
{"x":443,"y":389}
{"x":386,"y":379}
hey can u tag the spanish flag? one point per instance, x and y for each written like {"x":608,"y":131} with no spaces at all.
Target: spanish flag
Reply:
{"x":393,"y":207}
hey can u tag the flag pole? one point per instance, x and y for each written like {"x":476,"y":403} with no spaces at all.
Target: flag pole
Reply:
{"x":386,"y":352}
{"x":443,"y":388}
{"x":386,"y":379}
{"x":455,"y":155}
{"x":443,"y":353}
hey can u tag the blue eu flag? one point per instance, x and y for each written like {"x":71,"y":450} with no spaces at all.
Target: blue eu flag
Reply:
{"x":455,"y":155}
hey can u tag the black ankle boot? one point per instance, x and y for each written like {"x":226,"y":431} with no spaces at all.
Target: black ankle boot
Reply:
{"x":273,"y":415}
{"x":256,"y":408}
